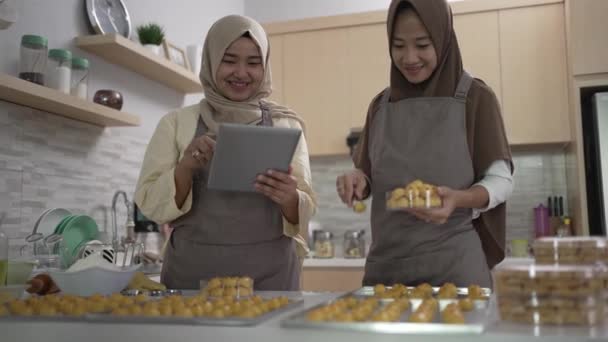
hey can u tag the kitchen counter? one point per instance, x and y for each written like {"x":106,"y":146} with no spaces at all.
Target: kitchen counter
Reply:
{"x":270,"y":331}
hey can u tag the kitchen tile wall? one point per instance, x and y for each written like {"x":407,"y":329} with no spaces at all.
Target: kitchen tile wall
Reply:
{"x":49,"y":161}
{"x":538,"y":175}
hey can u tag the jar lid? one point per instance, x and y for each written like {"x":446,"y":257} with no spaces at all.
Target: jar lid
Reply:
{"x":80,"y":63}
{"x":60,"y":54}
{"x":354,"y":234}
{"x":323,"y":234}
{"x":33,"y":41}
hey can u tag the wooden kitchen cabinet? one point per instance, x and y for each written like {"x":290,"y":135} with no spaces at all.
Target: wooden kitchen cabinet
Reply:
{"x":588,"y":32}
{"x":369,"y":64}
{"x":330,"y":72}
{"x":480,"y":49}
{"x":276,"y":67}
{"x":315,"y":84}
{"x":534,"y":74}
{"x":331,"y":278}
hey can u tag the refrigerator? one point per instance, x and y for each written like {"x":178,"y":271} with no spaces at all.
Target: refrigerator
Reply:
{"x":594,"y":105}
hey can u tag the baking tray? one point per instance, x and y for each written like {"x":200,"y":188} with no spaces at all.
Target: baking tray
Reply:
{"x":294,"y":301}
{"x":461,"y":291}
{"x":476,"y":319}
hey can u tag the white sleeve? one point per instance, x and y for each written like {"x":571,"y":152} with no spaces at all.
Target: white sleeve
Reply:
{"x":498,"y":181}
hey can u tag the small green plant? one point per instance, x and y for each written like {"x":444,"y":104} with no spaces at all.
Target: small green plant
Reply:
{"x":150,"y":34}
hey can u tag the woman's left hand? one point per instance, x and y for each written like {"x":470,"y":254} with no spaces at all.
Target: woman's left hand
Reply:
{"x":438,"y":215}
{"x":281,"y":188}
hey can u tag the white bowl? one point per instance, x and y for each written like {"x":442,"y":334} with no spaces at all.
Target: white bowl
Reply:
{"x":93,"y":280}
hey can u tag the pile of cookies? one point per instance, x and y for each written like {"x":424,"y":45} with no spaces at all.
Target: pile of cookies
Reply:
{"x":416,"y":194}
{"x":549,"y":294}
{"x":228,"y":287}
{"x":570,"y":250}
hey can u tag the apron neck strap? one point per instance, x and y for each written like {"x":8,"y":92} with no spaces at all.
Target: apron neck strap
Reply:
{"x":463,"y":86}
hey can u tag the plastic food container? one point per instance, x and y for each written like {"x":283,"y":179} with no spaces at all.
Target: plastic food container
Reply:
{"x":237,"y":286}
{"x":416,"y":194}
{"x":549,"y":294}
{"x":570,"y":250}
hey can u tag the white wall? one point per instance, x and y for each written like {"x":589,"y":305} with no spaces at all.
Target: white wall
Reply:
{"x":280,"y":10}
{"x":185,"y":22}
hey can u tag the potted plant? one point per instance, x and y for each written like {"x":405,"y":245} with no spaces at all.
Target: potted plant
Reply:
{"x":151,"y":36}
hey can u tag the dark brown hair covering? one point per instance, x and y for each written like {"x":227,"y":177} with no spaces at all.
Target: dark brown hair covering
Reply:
{"x":486,"y":136}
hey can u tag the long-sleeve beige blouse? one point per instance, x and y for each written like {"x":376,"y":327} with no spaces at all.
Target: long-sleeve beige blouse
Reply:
{"x":155,"y":191}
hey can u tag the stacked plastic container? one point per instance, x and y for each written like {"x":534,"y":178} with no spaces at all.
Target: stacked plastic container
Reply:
{"x":566,"y":285}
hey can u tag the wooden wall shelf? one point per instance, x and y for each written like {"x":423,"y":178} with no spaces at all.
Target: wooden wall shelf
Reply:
{"x":13,"y":89}
{"x":119,"y":50}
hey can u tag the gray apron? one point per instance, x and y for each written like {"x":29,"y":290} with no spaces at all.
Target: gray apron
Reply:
{"x":230,"y":234}
{"x":422,"y":138}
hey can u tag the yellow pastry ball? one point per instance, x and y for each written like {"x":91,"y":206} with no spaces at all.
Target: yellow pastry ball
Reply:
{"x":475,"y":292}
{"x":452,"y":314}
{"x":398,"y":193}
{"x":245,"y":282}
{"x":214,"y":283}
{"x":379,"y":289}
{"x":419,"y":203}
{"x":466,"y":304}
{"x":231,"y":281}
{"x":420,"y":316}
{"x":183,"y":312}
{"x":120,"y":312}
{"x":436,"y":202}
{"x":359,"y":207}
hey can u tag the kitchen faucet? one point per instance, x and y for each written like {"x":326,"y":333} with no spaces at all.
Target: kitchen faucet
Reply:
{"x":115,"y":239}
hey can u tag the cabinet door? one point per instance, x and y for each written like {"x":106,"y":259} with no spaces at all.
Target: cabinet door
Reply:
{"x":480,"y":48}
{"x":588,"y":36}
{"x":369,"y":64}
{"x":315,"y":84}
{"x":534,"y":87}
{"x":276,"y":67}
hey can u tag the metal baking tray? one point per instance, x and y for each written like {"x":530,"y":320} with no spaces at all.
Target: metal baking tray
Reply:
{"x":475,"y":320}
{"x":294,"y":301}
{"x":461,"y":291}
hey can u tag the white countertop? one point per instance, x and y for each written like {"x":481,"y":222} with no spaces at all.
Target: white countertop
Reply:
{"x":269,"y":331}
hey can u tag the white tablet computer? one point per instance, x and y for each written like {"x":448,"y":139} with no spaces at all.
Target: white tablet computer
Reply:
{"x":242,"y":152}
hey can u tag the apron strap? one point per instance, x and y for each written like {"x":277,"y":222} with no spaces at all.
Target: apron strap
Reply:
{"x":463,"y":86}
{"x":266,"y":116}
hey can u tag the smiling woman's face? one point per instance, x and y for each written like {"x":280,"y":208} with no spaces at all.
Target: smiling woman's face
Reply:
{"x":412,"y":49}
{"x":241,"y":70}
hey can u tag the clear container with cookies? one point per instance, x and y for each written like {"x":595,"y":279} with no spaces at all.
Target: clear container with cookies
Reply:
{"x":417,"y":194}
{"x":580,"y":250}
{"x":549,"y":294}
{"x":235,"y":287}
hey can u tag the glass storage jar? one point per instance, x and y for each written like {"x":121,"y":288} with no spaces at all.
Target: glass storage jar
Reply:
{"x":59,"y":70}
{"x":32,"y":58}
{"x":80,"y":77}
{"x":324,"y":247}
{"x":354,"y":244}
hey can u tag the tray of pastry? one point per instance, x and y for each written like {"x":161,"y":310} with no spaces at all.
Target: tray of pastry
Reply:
{"x":400,"y":309}
{"x":158,"y":307}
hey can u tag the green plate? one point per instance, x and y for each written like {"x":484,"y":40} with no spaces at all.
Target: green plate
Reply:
{"x":79,"y":229}
{"x":62,"y":223}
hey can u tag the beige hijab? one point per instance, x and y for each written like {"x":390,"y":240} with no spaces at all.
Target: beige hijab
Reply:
{"x":215,"y":108}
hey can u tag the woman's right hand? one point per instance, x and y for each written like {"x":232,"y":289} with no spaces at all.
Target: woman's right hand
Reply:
{"x":351,"y":185}
{"x":198,"y":154}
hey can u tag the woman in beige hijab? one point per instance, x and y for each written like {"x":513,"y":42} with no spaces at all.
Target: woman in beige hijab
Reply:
{"x":435,"y":123}
{"x":222,"y":233}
